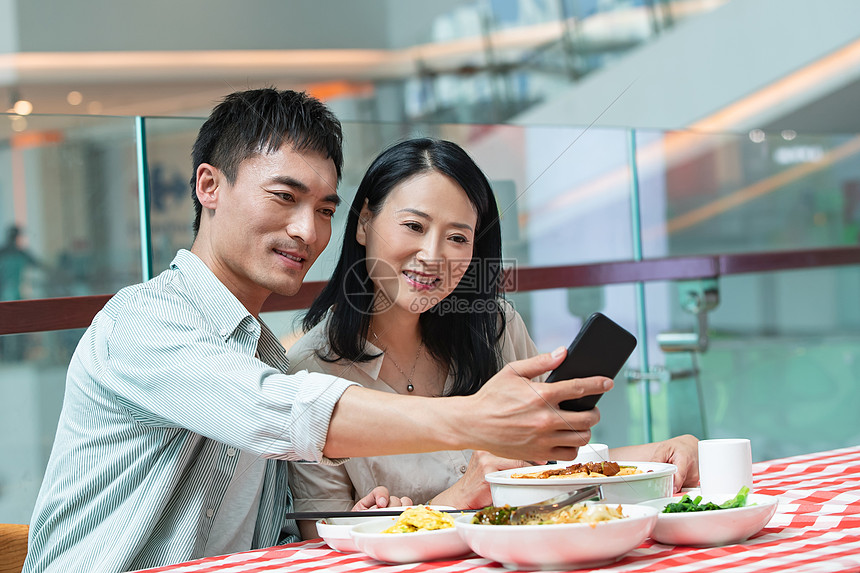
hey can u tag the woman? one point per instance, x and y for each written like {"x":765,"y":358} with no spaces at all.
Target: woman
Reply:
{"x":413,"y":307}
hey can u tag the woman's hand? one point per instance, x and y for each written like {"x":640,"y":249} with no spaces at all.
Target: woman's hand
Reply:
{"x":379,"y":497}
{"x":471,"y":491}
{"x":682,"y":451}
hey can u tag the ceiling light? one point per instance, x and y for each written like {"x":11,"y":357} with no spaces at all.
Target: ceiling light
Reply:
{"x":22,"y":107}
{"x":74,"y":98}
{"x":757,"y":136}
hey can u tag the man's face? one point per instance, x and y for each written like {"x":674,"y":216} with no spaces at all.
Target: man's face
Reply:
{"x":262,"y":233}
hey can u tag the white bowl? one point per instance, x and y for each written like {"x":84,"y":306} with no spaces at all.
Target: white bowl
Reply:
{"x":715,"y":527}
{"x":335,"y":530}
{"x":559,"y":546}
{"x":654,"y":482}
{"x":406,"y":547}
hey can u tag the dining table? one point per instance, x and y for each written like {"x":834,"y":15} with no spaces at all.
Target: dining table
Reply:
{"x":816,"y":527}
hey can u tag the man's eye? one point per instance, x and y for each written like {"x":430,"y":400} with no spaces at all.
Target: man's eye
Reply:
{"x":327,"y":212}
{"x":284,"y":196}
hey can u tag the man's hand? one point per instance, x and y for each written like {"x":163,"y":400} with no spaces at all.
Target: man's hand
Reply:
{"x":682,"y":451}
{"x":510,"y":416}
{"x":513,"y":417}
{"x":471,"y":491}
{"x":378,"y":498}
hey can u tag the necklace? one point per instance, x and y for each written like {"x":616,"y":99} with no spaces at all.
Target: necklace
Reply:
{"x":409,"y":386}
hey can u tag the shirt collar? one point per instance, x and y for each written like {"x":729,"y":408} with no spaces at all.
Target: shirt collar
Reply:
{"x":374,"y":365}
{"x":223,"y":309}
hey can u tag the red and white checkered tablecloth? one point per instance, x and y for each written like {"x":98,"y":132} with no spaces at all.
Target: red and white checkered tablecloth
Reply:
{"x":816,"y":528}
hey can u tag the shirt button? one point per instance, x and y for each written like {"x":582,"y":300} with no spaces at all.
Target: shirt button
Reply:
{"x":223,"y":332}
{"x":231,"y":452}
{"x":462,"y":469}
{"x":210,"y":512}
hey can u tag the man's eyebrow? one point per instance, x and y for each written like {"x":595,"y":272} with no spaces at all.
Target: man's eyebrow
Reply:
{"x":429,"y":218}
{"x":297,"y":185}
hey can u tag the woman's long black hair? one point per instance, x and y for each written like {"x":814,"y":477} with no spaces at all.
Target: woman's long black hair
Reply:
{"x":463,"y":329}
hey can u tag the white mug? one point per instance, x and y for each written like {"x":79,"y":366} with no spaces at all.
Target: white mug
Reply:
{"x":592,"y":453}
{"x":725,"y":466}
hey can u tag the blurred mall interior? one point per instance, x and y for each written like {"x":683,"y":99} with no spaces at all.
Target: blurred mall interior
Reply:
{"x":689,"y":167}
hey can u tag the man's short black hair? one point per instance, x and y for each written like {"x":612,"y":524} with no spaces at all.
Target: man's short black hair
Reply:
{"x":260,"y":121}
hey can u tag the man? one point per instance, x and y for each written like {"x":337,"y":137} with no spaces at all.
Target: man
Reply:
{"x":178,"y":419}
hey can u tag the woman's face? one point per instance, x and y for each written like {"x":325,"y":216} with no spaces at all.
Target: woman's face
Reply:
{"x":420,"y":243}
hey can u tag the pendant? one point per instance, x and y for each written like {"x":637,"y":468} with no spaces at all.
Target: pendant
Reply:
{"x":410,"y":387}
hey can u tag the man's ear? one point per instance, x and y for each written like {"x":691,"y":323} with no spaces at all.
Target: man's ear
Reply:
{"x":363,"y":220}
{"x":208,"y":184}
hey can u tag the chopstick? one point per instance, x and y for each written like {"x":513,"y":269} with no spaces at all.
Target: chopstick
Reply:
{"x":302,"y":515}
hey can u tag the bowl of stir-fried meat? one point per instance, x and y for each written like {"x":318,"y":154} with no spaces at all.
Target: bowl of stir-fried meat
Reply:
{"x":578,"y":536}
{"x":622,"y":482}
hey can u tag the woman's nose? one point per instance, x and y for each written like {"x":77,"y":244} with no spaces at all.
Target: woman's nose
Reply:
{"x":430,"y":250}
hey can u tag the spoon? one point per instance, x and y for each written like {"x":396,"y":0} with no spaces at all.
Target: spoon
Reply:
{"x":524,"y":513}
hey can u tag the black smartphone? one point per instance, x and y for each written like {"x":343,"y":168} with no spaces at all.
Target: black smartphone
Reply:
{"x":600,"y":349}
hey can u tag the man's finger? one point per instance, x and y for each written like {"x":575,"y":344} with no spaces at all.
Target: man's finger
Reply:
{"x":537,"y":365}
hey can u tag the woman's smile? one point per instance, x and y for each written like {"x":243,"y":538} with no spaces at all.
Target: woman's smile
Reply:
{"x":421,"y":281}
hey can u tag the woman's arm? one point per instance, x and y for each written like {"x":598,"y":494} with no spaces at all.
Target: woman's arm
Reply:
{"x":682,"y":451}
{"x":472,"y":491}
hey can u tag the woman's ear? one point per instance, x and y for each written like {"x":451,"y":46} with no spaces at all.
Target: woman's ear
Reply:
{"x":363,"y":220}
{"x":207,"y":185}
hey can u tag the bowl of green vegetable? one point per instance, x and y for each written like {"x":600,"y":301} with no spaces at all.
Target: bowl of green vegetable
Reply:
{"x":690,"y":519}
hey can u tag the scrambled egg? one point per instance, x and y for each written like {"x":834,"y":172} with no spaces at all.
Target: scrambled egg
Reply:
{"x":420,"y":518}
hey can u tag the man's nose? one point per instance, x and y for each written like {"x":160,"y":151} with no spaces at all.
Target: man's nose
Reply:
{"x":301,"y":226}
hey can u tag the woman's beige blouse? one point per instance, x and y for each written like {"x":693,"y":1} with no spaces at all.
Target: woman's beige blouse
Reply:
{"x":318,"y":487}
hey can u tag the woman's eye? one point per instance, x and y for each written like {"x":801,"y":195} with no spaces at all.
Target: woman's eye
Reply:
{"x":413,"y":227}
{"x":459,"y":239}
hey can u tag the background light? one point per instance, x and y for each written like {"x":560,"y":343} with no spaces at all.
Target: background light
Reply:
{"x":22,"y":107}
{"x":19,"y":123}
{"x":757,"y":136}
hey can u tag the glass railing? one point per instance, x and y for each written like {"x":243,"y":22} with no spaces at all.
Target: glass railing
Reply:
{"x":780,"y":360}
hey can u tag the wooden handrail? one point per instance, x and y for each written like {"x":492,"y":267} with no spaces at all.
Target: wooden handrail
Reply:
{"x":39,"y":315}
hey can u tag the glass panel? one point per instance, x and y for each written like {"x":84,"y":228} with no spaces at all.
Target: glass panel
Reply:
{"x":781,"y":367}
{"x":32,"y":382}
{"x":674,"y":376}
{"x":69,"y":184}
{"x":784,"y":361}
{"x":704,"y":193}
{"x":553,"y":318}
{"x":168,"y":144}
